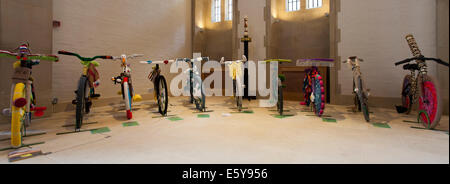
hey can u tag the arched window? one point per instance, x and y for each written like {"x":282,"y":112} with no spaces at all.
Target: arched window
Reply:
{"x":292,"y":5}
{"x":313,"y":4}
{"x":228,"y":10}
{"x":215,"y":10}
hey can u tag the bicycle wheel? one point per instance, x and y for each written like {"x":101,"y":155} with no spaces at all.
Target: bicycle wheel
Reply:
{"x":280,"y":100}
{"x":430,"y":101}
{"x":82,"y":96}
{"x":307,"y":90}
{"x":128,"y":98}
{"x":203,"y":99}
{"x":356,"y":102}
{"x":18,"y":114}
{"x":407,"y":97}
{"x":191,"y":86}
{"x":237,"y":97}
{"x":319,"y":97}
{"x":162,"y":97}
{"x":363,"y":101}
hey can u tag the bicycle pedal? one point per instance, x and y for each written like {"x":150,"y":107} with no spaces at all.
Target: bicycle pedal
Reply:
{"x":7,"y":112}
{"x":39,"y":113}
{"x":74,"y":102}
{"x":137,"y":98}
{"x":95,"y":96}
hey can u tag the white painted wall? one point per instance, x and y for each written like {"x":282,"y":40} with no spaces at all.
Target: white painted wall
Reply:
{"x":158,"y":29}
{"x":375,"y":31}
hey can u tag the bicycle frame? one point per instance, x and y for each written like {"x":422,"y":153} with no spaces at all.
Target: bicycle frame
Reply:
{"x":125,"y":80}
{"x":430,"y":104}
{"x":279,"y":93}
{"x":313,"y":85}
{"x":159,"y":81}
{"x":195,"y":78}
{"x":354,"y":64}
{"x":23,"y":100}
{"x":359,"y":89}
{"x":85,"y":93}
{"x":236,"y":72}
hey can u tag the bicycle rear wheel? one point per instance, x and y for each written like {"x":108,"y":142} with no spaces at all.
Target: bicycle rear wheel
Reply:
{"x":18,"y":114}
{"x":162,"y":96}
{"x":407,"y":97}
{"x":82,"y":98}
{"x":430,"y":101}
{"x":280,"y":100}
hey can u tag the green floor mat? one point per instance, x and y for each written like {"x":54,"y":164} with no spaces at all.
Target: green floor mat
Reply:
{"x":329,"y":120}
{"x":100,"y":130}
{"x":282,"y":116}
{"x":381,"y":125}
{"x":202,"y":115}
{"x":176,"y":118}
{"x":130,"y":124}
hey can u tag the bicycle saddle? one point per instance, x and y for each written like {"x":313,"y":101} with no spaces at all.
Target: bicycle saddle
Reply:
{"x":411,"y":67}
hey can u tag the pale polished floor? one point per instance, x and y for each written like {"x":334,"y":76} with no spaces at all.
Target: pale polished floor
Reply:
{"x":237,"y":138}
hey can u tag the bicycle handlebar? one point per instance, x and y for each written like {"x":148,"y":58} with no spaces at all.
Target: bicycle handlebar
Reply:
{"x":222,"y":60}
{"x":193,"y":60}
{"x":157,"y":62}
{"x":423,"y":59}
{"x":359,"y":59}
{"x":62,"y":52}
{"x":278,"y":60}
{"x":29,"y":57}
{"x":128,"y":57}
{"x":328,"y":60}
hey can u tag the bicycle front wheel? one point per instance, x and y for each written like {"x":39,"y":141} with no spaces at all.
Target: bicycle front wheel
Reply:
{"x":162,"y":97}
{"x":237,"y":94}
{"x":280,"y":100}
{"x":363,"y":101}
{"x":83,"y":93}
{"x":203,"y":100}
{"x":191,"y":86}
{"x":430,"y":101}
{"x":319,"y":96}
{"x":18,"y":114}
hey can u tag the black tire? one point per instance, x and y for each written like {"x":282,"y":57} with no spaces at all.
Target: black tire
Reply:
{"x":88,"y":102}
{"x":280,"y":100}
{"x":236,"y":96}
{"x":203,"y":100}
{"x":191,"y":85}
{"x":162,"y":98}
{"x":357,"y":104}
{"x":363,"y":101}
{"x":123,"y":91}
{"x":81,"y":101}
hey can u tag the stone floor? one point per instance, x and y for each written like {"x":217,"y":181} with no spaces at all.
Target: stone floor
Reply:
{"x":237,"y":138}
